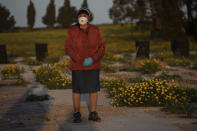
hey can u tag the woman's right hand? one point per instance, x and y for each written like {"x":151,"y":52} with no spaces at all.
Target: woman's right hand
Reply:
{"x":88,"y":61}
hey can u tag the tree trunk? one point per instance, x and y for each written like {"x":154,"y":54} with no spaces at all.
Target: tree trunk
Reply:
{"x":157,"y":27}
{"x":142,"y":49}
{"x":157,"y":24}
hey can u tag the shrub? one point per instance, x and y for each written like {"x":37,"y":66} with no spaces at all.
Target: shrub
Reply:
{"x":59,"y":83}
{"x":52,"y":78}
{"x":11,"y":71}
{"x":150,"y":66}
{"x":114,"y":86}
{"x":152,"y":92}
{"x":44,"y":73}
{"x":188,"y":107}
{"x":62,"y":65}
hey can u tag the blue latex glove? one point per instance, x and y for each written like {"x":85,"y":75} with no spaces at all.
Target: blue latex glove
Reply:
{"x":88,"y":61}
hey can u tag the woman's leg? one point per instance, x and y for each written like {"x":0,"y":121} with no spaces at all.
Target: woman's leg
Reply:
{"x":76,"y":101}
{"x":93,"y":101}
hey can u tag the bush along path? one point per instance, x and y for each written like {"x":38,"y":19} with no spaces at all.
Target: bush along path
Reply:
{"x":153,"y":92}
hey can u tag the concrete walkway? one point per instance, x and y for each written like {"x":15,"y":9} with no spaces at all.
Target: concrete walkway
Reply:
{"x":56,"y":114}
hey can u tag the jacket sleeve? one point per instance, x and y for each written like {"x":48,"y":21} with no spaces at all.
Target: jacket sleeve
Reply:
{"x":101,"y":49}
{"x":69,"y":49}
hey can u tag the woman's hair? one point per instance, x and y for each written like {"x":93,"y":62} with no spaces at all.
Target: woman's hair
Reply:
{"x":84,"y":11}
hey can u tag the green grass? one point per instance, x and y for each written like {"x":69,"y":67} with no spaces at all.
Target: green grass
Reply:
{"x":117,"y":38}
{"x":22,"y":43}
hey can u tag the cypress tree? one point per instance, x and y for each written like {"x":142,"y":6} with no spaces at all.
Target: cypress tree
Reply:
{"x":6,"y":21}
{"x":31,"y":15}
{"x":49,"y":18}
{"x":85,"y":5}
{"x":67,"y":14}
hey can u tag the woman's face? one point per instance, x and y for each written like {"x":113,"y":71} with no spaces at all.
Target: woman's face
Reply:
{"x":83,"y":19}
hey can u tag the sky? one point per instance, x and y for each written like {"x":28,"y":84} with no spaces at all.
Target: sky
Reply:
{"x":18,"y":8}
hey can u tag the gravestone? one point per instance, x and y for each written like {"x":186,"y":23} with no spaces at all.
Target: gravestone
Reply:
{"x":142,"y":49}
{"x":41,"y":51}
{"x":180,"y":47}
{"x":3,"y":55}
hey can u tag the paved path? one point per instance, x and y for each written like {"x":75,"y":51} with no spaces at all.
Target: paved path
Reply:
{"x":56,"y":114}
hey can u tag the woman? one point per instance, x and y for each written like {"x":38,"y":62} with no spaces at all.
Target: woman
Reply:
{"x":86,"y":48}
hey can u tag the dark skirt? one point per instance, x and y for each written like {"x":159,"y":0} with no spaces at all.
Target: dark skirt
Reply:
{"x":85,"y":81}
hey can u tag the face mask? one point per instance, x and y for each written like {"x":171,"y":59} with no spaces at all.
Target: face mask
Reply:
{"x":83,"y":20}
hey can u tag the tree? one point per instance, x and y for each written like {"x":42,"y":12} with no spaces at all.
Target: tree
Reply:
{"x":166,"y":16}
{"x":163,"y":13}
{"x":31,"y":15}
{"x":49,"y":18}
{"x":85,"y":5}
{"x":67,"y":14}
{"x":121,"y":11}
{"x":140,"y":10}
{"x":142,"y":14}
{"x":125,"y":11}
{"x":191,"y":16}
{"x":190,"y":6}
{"x":171,"y":20}
{"x":155,"y":7}
{"x":6,"y":21}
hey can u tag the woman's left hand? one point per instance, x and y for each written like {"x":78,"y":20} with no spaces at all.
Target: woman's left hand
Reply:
{"x":88,"y":61}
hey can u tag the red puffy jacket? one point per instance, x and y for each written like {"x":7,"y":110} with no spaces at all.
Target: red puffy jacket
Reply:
{"x":79,"y":45}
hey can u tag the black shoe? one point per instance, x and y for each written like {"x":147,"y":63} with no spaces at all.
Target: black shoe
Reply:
{"x":93,"y":116}
{"x":77,"y":117}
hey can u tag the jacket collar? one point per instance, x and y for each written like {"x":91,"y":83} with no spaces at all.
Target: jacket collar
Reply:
{"x":89,"y":25}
